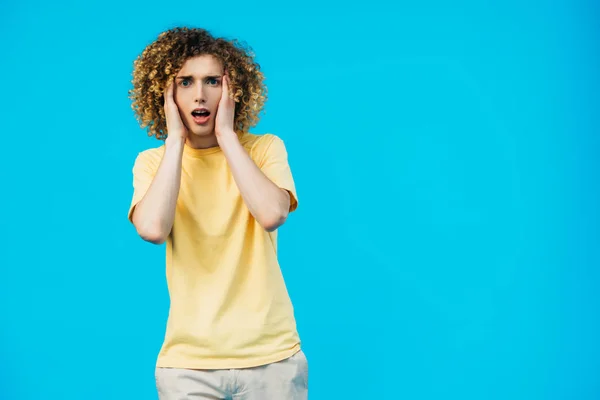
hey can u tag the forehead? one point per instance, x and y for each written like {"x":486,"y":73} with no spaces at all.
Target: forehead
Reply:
{"x":204,"y":64}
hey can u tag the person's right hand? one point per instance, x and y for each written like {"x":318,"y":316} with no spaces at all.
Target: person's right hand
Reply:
{"x":176,"y":130}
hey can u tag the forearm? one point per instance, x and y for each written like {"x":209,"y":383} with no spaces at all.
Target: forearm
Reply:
{"x":154,"y":215}
{"x":267,"y":203}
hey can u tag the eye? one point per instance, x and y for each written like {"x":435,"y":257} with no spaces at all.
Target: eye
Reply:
{"x":212,"y":81}
{"x":185,"y":82}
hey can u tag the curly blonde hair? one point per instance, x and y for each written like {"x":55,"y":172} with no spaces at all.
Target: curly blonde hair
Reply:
{"x":161,"y":60}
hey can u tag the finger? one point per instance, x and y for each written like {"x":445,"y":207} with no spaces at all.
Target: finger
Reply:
{"x":225,"y":85}
{"x":171,"y":98}
{"x":170,"y":93}
{"x":171,"y":109}
{"x":167,"y":94}
{"x":229,"y":94}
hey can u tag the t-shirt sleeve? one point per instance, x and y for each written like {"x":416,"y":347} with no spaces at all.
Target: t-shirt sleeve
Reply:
{"x":143,"y":174}
{"x":276,"y":167}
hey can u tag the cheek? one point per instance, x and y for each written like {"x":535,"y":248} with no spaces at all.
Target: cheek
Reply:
{"x":182,"y":97}
{"x":216,"y":94}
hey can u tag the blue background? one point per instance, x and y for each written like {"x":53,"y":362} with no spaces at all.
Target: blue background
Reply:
{"x":446,"y":155}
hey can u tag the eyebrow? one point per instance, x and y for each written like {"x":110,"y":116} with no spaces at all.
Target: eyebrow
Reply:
{"x":206,"y":77}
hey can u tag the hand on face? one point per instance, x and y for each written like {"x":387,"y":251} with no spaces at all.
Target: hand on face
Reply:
{"x":226,"y":110}
{"x":175,"y":127}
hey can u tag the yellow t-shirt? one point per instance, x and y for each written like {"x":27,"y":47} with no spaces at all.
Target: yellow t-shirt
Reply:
{"x":229,"y":304}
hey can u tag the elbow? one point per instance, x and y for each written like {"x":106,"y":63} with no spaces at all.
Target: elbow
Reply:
{"x":153,"y":238}
{"x":279,"y":214}
{"x":151,"y":234}
{"x":149,"y":229}
{"x":274,"y":221}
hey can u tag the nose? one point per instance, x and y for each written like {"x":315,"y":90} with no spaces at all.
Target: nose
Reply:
{"x":200,"y":94}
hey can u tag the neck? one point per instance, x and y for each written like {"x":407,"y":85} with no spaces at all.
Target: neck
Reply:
{"x":201,"y":142}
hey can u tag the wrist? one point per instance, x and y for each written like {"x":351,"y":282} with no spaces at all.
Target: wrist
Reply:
{"x":174,"y":142}
{"x":227,"y":138}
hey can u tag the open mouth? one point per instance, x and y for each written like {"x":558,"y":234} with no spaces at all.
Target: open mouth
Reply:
{"x":201,"y":115}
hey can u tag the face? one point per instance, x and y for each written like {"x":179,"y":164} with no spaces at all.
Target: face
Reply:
{"x":197,"y":94}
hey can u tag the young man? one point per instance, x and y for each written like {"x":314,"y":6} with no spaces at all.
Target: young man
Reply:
{"x":216,"y":194}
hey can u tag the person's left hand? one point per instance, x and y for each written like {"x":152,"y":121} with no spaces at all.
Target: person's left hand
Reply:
{"x":226,"y":111}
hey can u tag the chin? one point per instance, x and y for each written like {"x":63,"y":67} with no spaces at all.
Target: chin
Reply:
{"x":208,"y":131}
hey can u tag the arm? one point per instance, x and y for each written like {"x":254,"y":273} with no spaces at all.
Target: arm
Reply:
{"x":268,"y":203}
{"x":154,"y":214}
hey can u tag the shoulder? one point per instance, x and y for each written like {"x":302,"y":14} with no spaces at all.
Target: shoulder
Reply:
{"x":150,"y":157}
{"x":259,"y":146}
{"x":253,"y":140}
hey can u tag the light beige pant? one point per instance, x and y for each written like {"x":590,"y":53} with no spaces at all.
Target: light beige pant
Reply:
{"x":283,"y":380}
